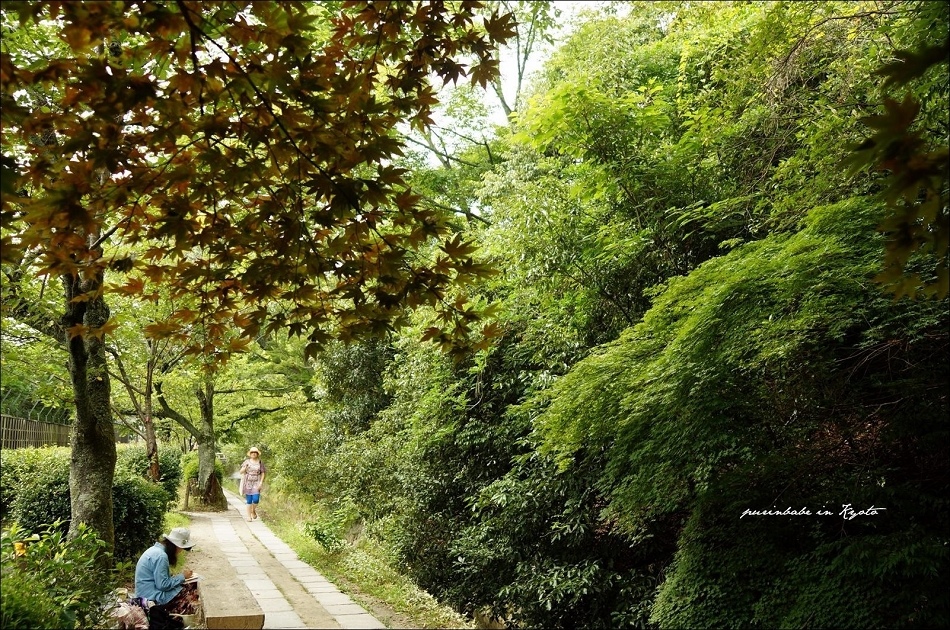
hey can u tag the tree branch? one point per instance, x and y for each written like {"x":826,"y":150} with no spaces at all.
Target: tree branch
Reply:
{"x":168,"y":412}
{"x":801,"y":40}
{"x":28,"y":312}
{"x":443,"y":156}
{"x":466,"y":213}
{"x":119,"y":413}
{"x":123,"y":378}
{"x":253,"y":413}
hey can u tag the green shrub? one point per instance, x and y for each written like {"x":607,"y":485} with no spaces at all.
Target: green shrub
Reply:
{"x":26,"y":605}
{"x":16,"y":467}
{"x":131,"y":458}
{"x":9,"y":475}
{"x":134,"y":459}
{"x":189,"y":467}
{"x":327,"y":533}
{"x":330,"y":531}
{"x":42,"y":497}
{"x":169,"y":466}
{"x":138,"y":509}
{"x":52,"y":582}
{"x":42,"y":494}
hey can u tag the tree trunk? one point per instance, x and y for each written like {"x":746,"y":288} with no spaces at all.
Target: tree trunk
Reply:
{"x":143,"y":409}
{"x":151,"y":443}
{"x":93,"y":456}
{"x":211,"y":492}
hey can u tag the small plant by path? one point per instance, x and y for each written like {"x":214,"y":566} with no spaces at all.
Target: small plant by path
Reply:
{"x":53,"y":582}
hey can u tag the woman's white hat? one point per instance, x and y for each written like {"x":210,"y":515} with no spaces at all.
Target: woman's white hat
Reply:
{"x":180,"y":537}
{"x":253,"y":449}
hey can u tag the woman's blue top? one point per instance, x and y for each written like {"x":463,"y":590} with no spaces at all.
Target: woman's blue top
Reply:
{"x":153,"y":579}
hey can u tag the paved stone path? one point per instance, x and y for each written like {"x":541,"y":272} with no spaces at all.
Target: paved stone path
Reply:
{"x":291,"y":593}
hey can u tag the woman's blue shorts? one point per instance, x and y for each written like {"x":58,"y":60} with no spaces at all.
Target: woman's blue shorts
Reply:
{"x":252,"y":498}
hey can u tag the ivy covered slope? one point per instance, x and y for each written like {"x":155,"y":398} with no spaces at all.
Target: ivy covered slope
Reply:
{"x":776,"y":376}
{"x":696,"y":325}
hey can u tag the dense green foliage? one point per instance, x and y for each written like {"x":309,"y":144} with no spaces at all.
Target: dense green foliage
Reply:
{"x":133,"y":461}
{"x":51,"y":582}
{"x":189,"y":468}
{"x":694,"y":327}
{"x":16,"y":467}
{"x":719,"y":236}
{"x":777,"y":388}
{"x":36,"y":494}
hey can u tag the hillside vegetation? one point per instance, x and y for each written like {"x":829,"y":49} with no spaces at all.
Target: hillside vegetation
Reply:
{"x":683,"y":360}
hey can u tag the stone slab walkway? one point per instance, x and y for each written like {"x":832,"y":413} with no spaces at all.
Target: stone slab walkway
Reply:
{"x":291,"y":593}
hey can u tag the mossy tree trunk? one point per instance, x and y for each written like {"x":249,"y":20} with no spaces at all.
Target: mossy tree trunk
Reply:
{"x":93,"y":458}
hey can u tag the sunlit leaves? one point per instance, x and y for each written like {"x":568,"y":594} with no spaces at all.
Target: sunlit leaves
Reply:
{"x":247,"y":151}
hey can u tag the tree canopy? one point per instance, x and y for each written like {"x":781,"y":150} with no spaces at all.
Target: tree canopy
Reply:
{"x":245,"y":151}
{"x":236,"y":160}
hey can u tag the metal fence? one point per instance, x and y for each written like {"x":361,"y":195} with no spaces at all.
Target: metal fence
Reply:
{"x":21,"y":433}
{"x":19,"y":405}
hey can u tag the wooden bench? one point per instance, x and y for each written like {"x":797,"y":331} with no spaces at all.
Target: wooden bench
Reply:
{"x":227,"y":604}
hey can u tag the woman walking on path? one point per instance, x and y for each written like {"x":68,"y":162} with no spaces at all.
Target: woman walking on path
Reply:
{"x":252,"y":477}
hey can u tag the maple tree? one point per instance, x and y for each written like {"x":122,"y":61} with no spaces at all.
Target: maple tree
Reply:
{"x":239,"y":153}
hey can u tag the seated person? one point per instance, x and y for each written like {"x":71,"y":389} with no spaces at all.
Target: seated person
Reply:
{"x":153,"y":578}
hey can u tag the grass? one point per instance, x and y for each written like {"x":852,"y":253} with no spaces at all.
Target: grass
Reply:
{"x":360,"y":570}
{"x":173,"y":520}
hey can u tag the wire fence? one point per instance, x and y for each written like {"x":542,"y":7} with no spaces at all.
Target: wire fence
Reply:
{"x":23,"y":432}
{"x":19,"y":405}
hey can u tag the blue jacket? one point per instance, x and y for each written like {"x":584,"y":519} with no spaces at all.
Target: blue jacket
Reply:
{"x":152,"y":576}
